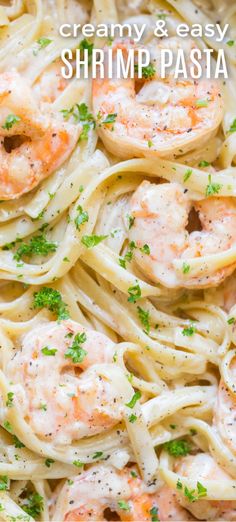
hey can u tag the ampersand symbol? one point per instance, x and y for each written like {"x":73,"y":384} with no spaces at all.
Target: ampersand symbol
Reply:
{"x":160,"y":29}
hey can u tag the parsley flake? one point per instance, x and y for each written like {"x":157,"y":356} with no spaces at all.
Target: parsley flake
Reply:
{"x":92,"y":241}
{"x":187,"y":174}
{"x":75,"y":351}
{"x":185,"y":268}
{"x":137,"y":395}
{"x":134,"y":293}
{"x":10,"y":398}
{"x":232,"y":127}
{"x":144,"y":317}
{"x":51,"y":299}
{"x":81,"y":218}
{"x":190,"y":330}
{"x":33,"y":505}
{"x":11,"y":119}
{"x":203,"y":164}
{"x":48,"y":351}
{"x":212,"y":188}
{"x":123,"y":505}
{"x":177,"y":448}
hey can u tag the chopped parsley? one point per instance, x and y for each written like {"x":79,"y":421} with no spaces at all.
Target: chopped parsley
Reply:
{"x":51,"y":299}
{"x":43,"y":42}
{"x":33,"y":505}
{"x":133,"y":474}
{"x":187,"y":174}
{"x":81,"y":218}
{"x":179,"y":484}
{"x":78,"y":463}
{"x":49,"y":351}
{"x":233,"y":126}
{"x":131,"y":220}
{"x":231,"y":320}
{"x":145,"y":249}
{"x":10,"y":120}
{"x":190,"y":494}
{"x":202,"y":491}
{"x":230,"y":43}
{"x":134,"y":293}
{"x":38,"y":245}
{"x":128,"y":256}
{"x":75,"y":351}
{"x":132,"y":418}
{"x":147,"y":72}
{"x":17,"y":443}
{"x":202,"y":103}
{"x":110,"y":118}
{"x":3,"y":482}
{"x":190,"y":330}
{"x":92,"y":241}
{"x":48,"y":462}
{"x":10,"y":398}
{"x":212,"y":188}
{"x":137,"y":395}
{"x":203,"y":163}
{"x":185,"y":268}
{"x":193,"y":495}
{"x":98,"y":454}
{"x":177,"y":448}
{"x":81,"y":114}
{"x":154,"y":514}
{"x":144,"y":317}
{"x":85,"y":44}
{"x":7,"y":425}
{"x":123,"y":505}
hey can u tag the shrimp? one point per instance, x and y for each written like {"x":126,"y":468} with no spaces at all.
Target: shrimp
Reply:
{"x":76,"y":401}
{"x":156,"y":117}
{"x":50,"y":83}
{"x":225,"y":411}
{"x":161,"y":214}
{"x":103,"y":491}
{"x":33,"y":144}
{"x":203,"y":467}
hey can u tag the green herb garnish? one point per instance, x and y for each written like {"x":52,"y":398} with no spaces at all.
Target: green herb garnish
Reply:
{"x":10,"y":398}
{"x":49,"y":351}
{"x":33,"y":505}
{"x":177,"y":448}
{"x":51,"y":299}
{"x":144,"y":317}
{"x":92,"y":241}
{"x":212,"y":188}
{"x":75,"y":351}
{"x":137,"y":395}
{"x":10,"y":120}
{"x":134,"y":293}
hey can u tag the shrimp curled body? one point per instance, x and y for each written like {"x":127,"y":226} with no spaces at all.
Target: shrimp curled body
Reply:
{"x":161,"y":214}
{"x":77,"y":401}
{"x":204,"y":467}
{"x":32,"y":144}
{"x":155,"y":116}
{"x":103,"y":490}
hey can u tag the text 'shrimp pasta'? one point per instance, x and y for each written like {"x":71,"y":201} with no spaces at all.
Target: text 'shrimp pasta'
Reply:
{"x":111,"y":62}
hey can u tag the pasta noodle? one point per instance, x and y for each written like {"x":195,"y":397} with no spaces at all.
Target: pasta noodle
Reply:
{"x":117,"y":274}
